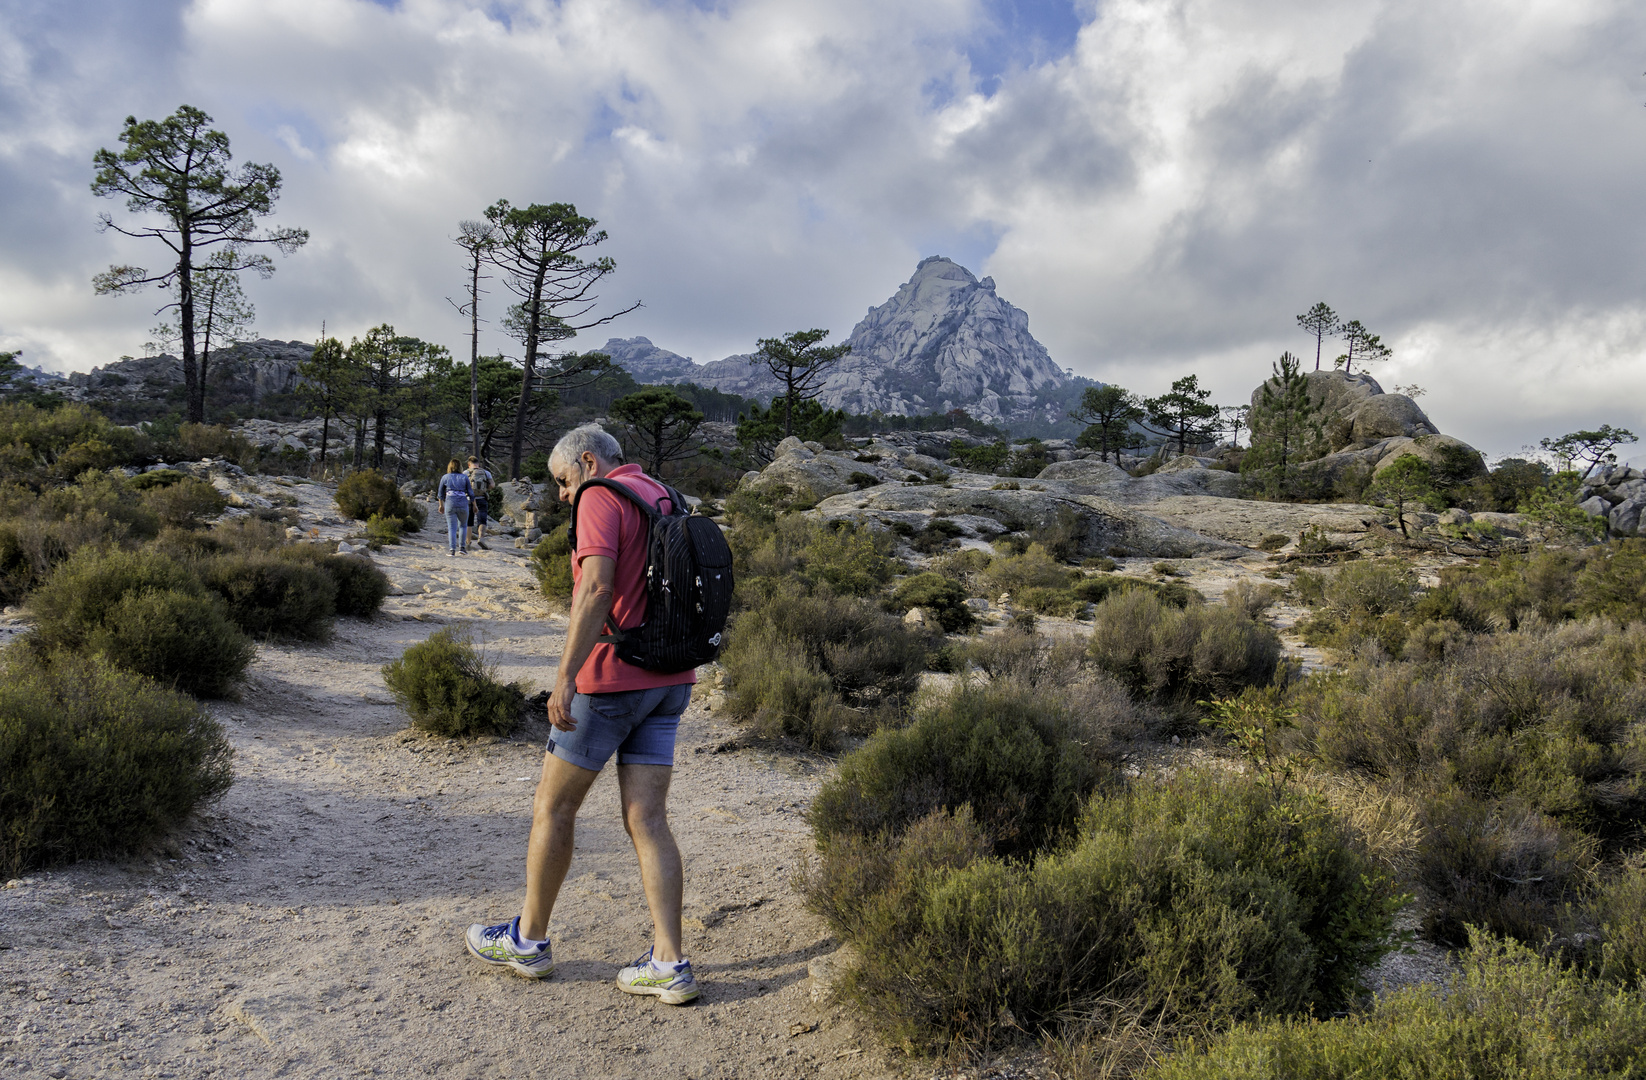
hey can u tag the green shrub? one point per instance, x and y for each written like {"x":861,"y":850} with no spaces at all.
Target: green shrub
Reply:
{"x":1498,"y":865}
{"x":186,"y":504}
{"x":361,"y":587}
{"x":941,"y":597}
{"x":1204,"y":898}
{"x":536,"y":466}
{"x":1551,"y":716}
{"x":1034,"y":569}
{"x":1365,"y":601}
{"x":367,"y":492}
{"x":447,"y":688}
{"x":1014,"y":755}
{"x":848,"y":558}
{"x":1508,"y":1013}
{"x":270,"y":596}
{"x":41,"y":445}
{"x":551,"y":564}
{"x":1179,"y":655}
{"x":95,"y":760}
{"x":155,"y":478}
{"x":382,"y":530}
{"x":1061,"y":603}
{"x":939,"y":534}
{"x":143,"y":611}
{"x":1273,"y":542}
{"x":1554,"y":584}
{"x":1094,"y":590}
{"x":1619,"y":908}
{"x":805,"y":666}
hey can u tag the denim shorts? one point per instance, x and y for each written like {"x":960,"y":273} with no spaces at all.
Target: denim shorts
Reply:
{"x":638,"y":724}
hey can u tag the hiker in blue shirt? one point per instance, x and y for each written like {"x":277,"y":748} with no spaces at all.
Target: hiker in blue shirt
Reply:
{"x":454,"y":494}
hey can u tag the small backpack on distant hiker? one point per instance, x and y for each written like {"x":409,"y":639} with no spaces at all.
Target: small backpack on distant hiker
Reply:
{"x":688,"y":586}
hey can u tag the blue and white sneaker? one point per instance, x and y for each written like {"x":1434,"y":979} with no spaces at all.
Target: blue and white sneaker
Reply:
{"x":501,"y":945}
{"x":673,"y":984}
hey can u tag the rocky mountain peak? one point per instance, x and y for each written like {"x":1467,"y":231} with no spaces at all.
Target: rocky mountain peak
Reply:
{"x":944,"y":340}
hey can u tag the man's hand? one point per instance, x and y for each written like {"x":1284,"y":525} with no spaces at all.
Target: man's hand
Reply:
{"x":560,"y":706}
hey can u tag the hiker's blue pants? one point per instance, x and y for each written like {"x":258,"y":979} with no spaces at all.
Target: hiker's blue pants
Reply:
{"x":457,"y":528}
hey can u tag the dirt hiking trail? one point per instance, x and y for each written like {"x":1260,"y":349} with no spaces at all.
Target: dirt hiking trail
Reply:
{"x":310,"y":924}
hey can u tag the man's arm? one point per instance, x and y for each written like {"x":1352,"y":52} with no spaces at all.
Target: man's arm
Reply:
{"x":591,"y":603}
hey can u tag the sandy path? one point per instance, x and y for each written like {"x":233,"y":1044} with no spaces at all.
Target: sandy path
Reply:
{"x":309,"y":925}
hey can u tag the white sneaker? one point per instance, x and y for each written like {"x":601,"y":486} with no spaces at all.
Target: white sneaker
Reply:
{"x":500,"y":946}
{"x":672,"y":987}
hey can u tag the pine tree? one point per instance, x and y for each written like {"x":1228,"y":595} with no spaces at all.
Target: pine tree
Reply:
{"x":1286,"y":429}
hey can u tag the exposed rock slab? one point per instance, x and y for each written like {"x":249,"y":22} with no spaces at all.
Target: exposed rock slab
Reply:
{"x":1245,"y":521}
{"x":1108,"y":524}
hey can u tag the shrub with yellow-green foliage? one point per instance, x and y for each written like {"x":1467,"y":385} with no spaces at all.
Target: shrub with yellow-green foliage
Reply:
{"x":1551,"y":716}
{"x":362,"y":494}
{"x":1175,"y":656}
{"x":551,"y":564}
{"x":96,"y":760}
{"x":939,"y":596}
{"x":1209,"y":897}
{"x":1508,"y":1013}
{"x":447,"y":688}
{"x":40,"y":446}
{"x":808,"y":665}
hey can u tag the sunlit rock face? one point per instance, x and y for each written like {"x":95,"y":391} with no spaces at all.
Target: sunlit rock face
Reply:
{"x":943,"y":341}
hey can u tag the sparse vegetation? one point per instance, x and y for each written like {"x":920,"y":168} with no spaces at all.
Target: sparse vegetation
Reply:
{"x":1175,"y":656}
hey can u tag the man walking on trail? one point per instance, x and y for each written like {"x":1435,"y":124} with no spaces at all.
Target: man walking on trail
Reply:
{"x":481,"y":484}
{"x":601,"y":705}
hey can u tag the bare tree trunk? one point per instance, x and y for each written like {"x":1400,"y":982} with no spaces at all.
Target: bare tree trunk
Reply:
{"x":185,"y":323}
{"x":474,"y":358}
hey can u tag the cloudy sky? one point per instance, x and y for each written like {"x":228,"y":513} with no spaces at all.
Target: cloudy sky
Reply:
{"x":1161,"y":184}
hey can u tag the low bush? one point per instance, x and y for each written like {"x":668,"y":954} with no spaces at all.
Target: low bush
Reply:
{"x":1034,"y":569}
{"x":1555,"y":584}
{"x":1619,"y":909}
{"x":1212,"y":898}
{"x":1060,"y":603}
{"x":807,"y":665}
{"x":39,"y":445}
{"x":1508,"y":1013}
{"x":367,"y":492}
{"x":447,"y":688}
{"x":1498,"y":865}
{"x":1013,"y":754}
{"x":551,"y":564}
{"x":1252,"y":598}
{"x":270,"y":596}
{"x":361,"y":587}
{"x":850,"y":559}
{"x":1364,"y":601}
{"x":186,"y":504}
{"x":155,"y":478}
{"x":1095,"y":590}
{"x":1551,"y":716}
{"x":97,"y":761}
{"x":1175,"y":656}
{"x":941,"y":597}
{"x":939,"y":534}
{"x":143,"y":611}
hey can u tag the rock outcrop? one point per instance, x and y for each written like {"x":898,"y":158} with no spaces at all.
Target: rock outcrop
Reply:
{"x":1616,"y":493}
{"x":1365,"y":427}
{"x":246,"y":372}
{"x":945,"y":340}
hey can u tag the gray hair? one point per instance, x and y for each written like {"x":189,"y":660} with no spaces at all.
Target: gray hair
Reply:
{"x":590,"y":438}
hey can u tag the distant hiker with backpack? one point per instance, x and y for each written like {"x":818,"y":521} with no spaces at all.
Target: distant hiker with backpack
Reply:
{"x":481,"y":484}
{"x":651,"y":589}
{"x":453,"y":496}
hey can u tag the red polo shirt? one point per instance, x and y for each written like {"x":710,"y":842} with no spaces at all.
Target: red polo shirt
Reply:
{"x":610,"y":525}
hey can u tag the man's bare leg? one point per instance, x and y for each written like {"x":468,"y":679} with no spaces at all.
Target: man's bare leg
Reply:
{"x":560,"y":792}
{"x":645,"y":794}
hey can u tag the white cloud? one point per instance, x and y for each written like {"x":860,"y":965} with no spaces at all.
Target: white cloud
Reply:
{"x":1162,"y":198}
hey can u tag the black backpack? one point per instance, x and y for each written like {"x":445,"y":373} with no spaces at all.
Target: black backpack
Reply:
{"x":688,"y":586}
